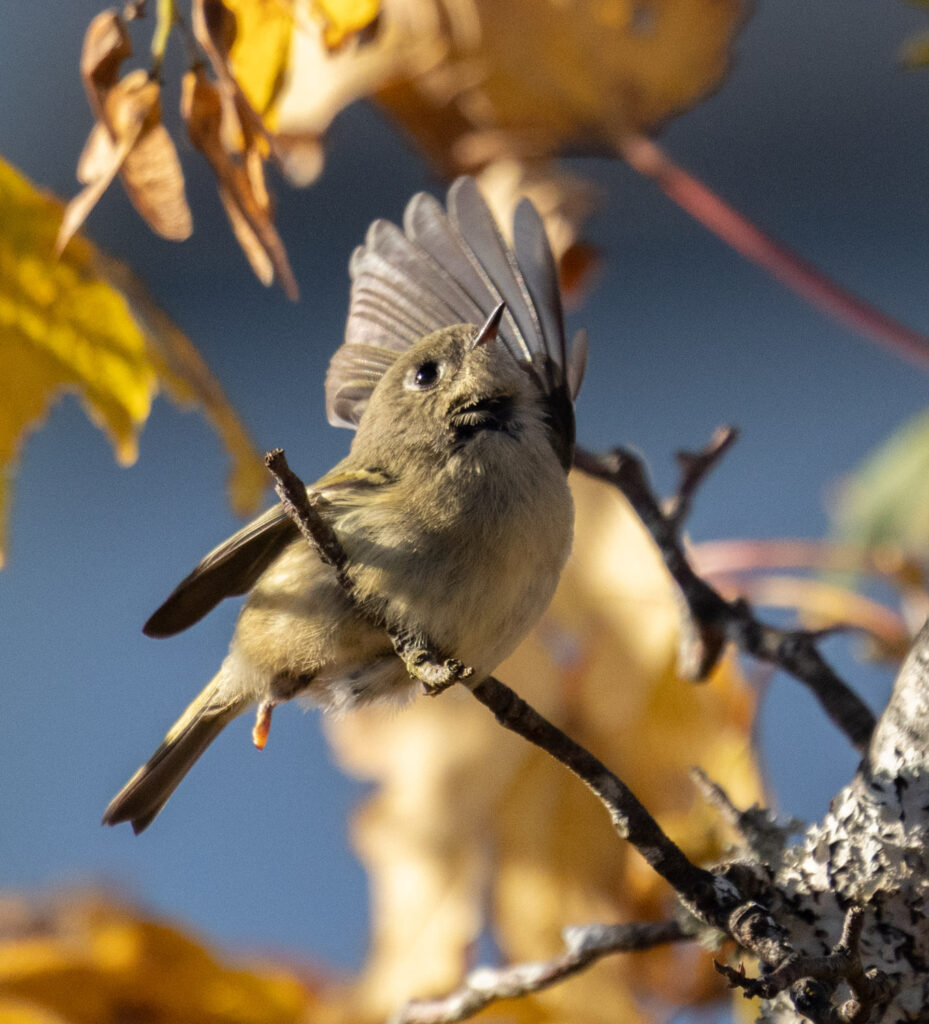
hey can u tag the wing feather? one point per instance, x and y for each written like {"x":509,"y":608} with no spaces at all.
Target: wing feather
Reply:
{"x":229,"y":569}
{"x":234,"y":566}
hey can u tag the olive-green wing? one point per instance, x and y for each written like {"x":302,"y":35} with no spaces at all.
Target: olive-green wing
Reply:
{"x":229,"y":569}
{"x":234,"y":567}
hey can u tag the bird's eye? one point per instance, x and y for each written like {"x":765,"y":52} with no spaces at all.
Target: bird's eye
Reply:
{"x":425,"y":376}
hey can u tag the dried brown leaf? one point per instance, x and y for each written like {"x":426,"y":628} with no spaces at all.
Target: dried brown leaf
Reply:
{"x":128,"y":139}
{"x":78,"y":209}
{"x":126,"y":109}
{"x":151,"y":172}
{"x":96,"y":157}
{"x":106,"y":46}
{"x":243,"y":194}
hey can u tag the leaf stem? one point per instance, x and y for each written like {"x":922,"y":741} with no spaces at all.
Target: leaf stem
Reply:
{"x":790,"y":269}
{"x":165,"y":16}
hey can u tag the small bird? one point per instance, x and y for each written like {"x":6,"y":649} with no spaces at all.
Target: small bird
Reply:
{"x":452,"y":505}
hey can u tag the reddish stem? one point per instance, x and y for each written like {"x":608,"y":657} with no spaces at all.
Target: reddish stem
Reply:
{"x":802,"y":277}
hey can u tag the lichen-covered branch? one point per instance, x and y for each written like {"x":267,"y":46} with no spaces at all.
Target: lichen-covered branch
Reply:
{"x":843,"y":963}
{"x":901,"y":739}
{"x":583,"y":946}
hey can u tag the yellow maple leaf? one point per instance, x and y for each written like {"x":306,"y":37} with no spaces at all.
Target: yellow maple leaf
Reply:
{"x":65,"y":327}
{"x":474,"y":830}
{"x":260,"y":50}
{"x":343,"y":18}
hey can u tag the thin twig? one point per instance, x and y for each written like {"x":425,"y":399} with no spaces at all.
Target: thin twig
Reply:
{"x":746,"y":238}
{"x":584,"y":946}
{"x":694,"y":467}
{"x":710,"y":621}
{"x":302,"y":505}
{"x":711,"y":899}
{"x":759,"y":830}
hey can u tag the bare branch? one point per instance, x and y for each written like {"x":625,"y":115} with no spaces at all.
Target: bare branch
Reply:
{"x":711,"y":897}
{"x":724,"y":899}
{"x":583,"y":946}
{"x":709,"y":621}
{"x":645,"y":156}
{"x":302,"y":505}
{"x":694,"y":466}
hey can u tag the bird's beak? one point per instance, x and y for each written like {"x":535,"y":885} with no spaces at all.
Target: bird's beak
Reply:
{"x":489,"y":331}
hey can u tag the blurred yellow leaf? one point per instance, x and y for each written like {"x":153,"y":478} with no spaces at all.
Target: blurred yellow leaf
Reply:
{"x":64,"y":327}
{"x":915,"y":50}
{"x":473,"y":830}
{"x":82,"y":959}
{"x":500,"y":88}
{"x":260,"y":48}
{"x":343,"y":18}
{"x":260,"y":36}
{"x":475,"y":80}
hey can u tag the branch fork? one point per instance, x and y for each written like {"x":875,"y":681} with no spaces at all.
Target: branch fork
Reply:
{"x":812,"y":980}
{"x":709,"y":621}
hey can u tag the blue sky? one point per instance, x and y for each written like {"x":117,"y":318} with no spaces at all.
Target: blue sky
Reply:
{"x":817,"y":135}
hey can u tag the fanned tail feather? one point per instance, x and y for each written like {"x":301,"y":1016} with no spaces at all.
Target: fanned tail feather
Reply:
{"x":446,"y":268}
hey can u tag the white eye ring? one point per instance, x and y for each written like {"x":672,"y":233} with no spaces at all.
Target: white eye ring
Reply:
{"x":425,"y":376}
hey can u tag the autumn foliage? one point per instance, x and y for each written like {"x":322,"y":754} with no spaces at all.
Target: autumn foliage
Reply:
{"x":452,"y":859}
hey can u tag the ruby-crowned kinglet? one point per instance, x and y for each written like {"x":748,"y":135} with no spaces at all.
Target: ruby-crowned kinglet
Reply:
{"x":452,"y":506}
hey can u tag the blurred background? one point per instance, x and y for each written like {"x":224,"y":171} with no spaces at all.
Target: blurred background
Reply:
{"x":818,"y":135}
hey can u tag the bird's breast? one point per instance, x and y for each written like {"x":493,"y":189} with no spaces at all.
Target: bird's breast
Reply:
{"x":470,"y":556}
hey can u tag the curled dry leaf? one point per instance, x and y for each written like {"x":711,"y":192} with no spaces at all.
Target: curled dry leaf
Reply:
{"x":66,"y":327}
{"x":472,"y":831}
{"x":248,"y":45}
{"x":128,"y":139}
{"x":151,"y":171}
{"x":106,"y":46}
{"x":241,"y":188}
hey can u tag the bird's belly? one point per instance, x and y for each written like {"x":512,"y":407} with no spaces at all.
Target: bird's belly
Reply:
{"x":476,"y":597}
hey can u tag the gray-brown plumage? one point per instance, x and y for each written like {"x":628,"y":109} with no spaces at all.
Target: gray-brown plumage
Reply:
{"x":452,"y":505}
